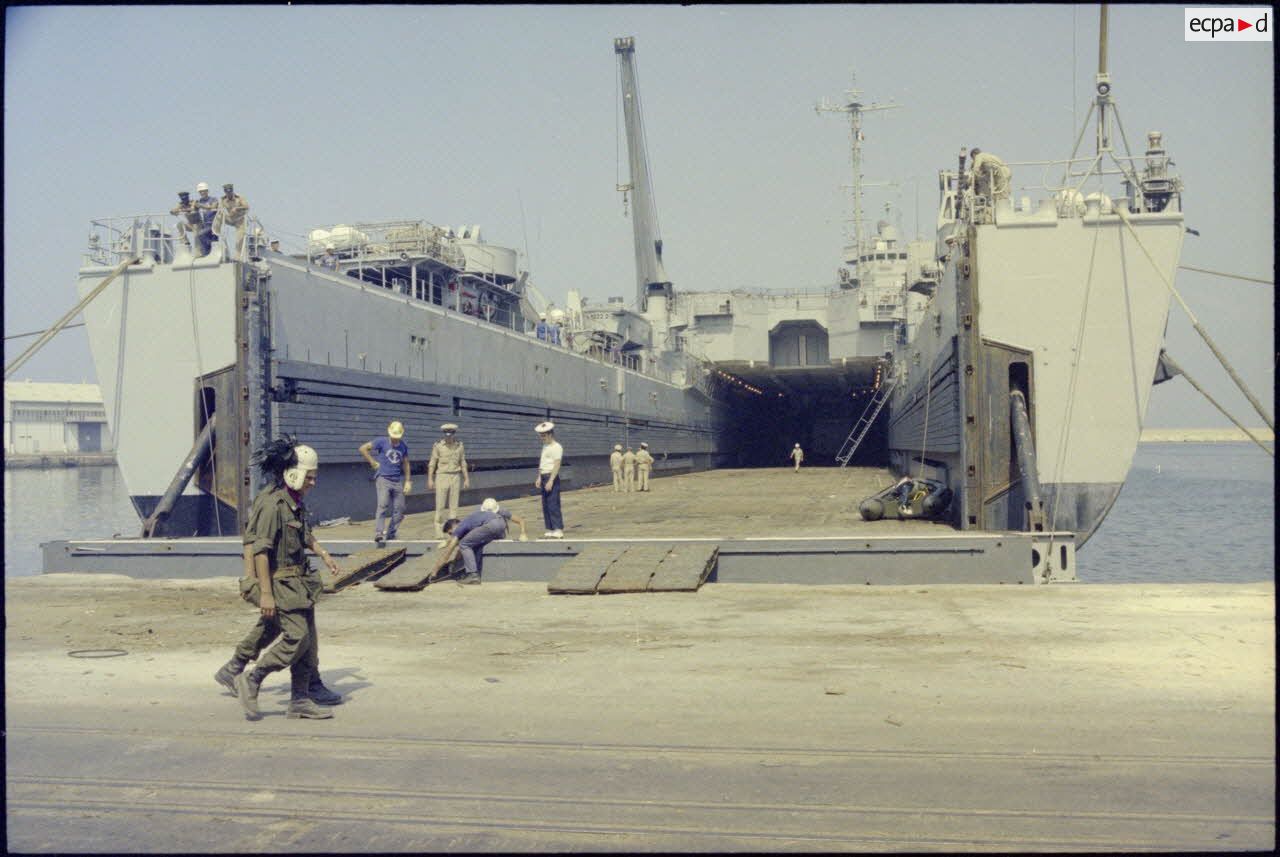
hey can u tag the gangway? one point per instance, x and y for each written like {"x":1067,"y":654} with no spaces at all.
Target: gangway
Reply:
{"x":864,"y":423}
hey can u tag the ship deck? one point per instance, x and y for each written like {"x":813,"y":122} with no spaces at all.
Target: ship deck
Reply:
{"x":816,"y":502}
{"x":767,"y":526}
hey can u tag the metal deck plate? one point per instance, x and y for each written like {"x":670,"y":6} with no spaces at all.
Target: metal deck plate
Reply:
{"x":581,"y":574}
{"x":413,"y":575}
{"x":365,"y":565}
{"x":632,"y":571}
{"x":684,"y":569}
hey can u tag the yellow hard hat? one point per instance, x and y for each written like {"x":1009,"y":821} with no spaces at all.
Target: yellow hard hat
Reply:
{"x":395,"y":430}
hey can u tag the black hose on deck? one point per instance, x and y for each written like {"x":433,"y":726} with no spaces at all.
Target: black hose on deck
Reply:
{"x":195,"y":460}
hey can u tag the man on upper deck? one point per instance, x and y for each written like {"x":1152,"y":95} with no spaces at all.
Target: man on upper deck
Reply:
{"x":232,"y":209}
{"x":207,"y":206}
{"x":188,"y":217}
{"x":330,"y":258}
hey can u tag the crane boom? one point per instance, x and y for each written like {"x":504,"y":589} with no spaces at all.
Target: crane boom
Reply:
{"x":651,"y":278}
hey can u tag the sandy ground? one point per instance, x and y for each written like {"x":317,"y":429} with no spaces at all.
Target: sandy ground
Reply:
{"x":756,"y":717}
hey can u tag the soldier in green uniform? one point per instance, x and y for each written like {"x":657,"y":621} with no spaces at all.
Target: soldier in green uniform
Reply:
{"x":288,"y":589}
{"x":272,"y":461}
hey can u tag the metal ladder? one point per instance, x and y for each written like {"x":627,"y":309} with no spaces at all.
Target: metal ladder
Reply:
{"x":864,"y":423}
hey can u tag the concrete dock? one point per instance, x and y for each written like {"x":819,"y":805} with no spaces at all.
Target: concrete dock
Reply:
{"x":764,"y":525}
{"x":753,"y":717}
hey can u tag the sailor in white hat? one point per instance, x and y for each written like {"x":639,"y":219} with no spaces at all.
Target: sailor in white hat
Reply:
{"x":548,"y":481}
{"x":330,"y":258}
{"x":644,"y":463}
{"x":447,"y":474}
{"x":798,"y":455}
{"x":615,"y":464}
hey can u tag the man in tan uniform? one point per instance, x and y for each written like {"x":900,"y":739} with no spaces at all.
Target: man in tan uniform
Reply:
{"x":644,"y":463}
{"x":615,"y":464}
{"x":232,"y":209}
{"x":629,"y":470}
{"x":447,"y":474}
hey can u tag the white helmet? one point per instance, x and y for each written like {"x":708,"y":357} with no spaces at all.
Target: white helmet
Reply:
{"x":489,"y":505}
{"x":201,"y":186}
{"x":295,"y":476}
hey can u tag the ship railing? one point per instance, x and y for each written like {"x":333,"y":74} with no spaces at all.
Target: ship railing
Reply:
{"x":1075,"y":172}
{"x":112,"y":240}
{"x":158,"y":236}
{"x":758,"y":291}
{"x":507,"y":317}
{"x":368,"y":242}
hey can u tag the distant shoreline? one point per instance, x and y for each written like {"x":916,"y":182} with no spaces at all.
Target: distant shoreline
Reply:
{"x":1177,"y":435}
{"x":58,"y":459}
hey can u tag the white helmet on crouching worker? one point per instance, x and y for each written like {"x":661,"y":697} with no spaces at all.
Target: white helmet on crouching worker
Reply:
{"x":308,"y":462}
{"x":489,"y":505}
{"x":201,"y":186}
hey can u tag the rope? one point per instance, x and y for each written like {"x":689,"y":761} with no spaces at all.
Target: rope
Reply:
{"x":1195,"y":322}
{"x":1228,"y":276}
{"x":1060,"y":461}
{"x":928,"y":394}
{"x":204,"y":405}
{"x":39,"y":332}
{"x":1183,"y":372}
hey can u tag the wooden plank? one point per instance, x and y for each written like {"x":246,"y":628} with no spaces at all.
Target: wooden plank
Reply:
{"x":415,"y":574}
{"x":581,"y":574}
{"x":365,"y":565}
{"x":631,"y":571}
{"x":685,"y":569}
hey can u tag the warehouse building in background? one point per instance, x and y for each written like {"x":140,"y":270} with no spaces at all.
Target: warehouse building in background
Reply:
{"x":48,"y":419}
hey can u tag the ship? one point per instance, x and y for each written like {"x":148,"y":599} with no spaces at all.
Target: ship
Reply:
{"x":1008,"y":360}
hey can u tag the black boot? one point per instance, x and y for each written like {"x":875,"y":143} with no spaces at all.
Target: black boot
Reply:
{"x":317,"y":692}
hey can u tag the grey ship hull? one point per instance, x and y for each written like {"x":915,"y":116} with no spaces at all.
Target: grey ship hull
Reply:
{"x":280,"y":346}
{"x":1064,"y":307}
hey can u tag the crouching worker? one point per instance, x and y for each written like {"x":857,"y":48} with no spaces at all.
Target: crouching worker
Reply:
{"x":288,"y":589}
{"x":272,"y":461}
{"x":472,"y":533}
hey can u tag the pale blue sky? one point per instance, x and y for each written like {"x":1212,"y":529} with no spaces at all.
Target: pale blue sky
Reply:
{"x":462,"y":115}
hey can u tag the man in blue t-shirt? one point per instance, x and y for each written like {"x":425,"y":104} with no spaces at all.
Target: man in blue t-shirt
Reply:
{"x":473,"y":532}
{"x":389,"y":458}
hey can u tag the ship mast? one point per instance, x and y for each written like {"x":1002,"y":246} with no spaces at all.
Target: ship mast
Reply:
{"x":1103,"y":86}
{"x":651,"y":278}
{"x":855,"y":108}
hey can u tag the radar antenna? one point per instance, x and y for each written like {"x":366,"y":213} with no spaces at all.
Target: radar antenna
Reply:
{"x":854,"y":106}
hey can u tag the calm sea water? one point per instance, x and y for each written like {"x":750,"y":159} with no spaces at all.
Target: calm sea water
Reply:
{"x":1189,"y":513}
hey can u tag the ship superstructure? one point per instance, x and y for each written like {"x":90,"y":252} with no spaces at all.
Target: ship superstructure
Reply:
{"x":1048,"y":314}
